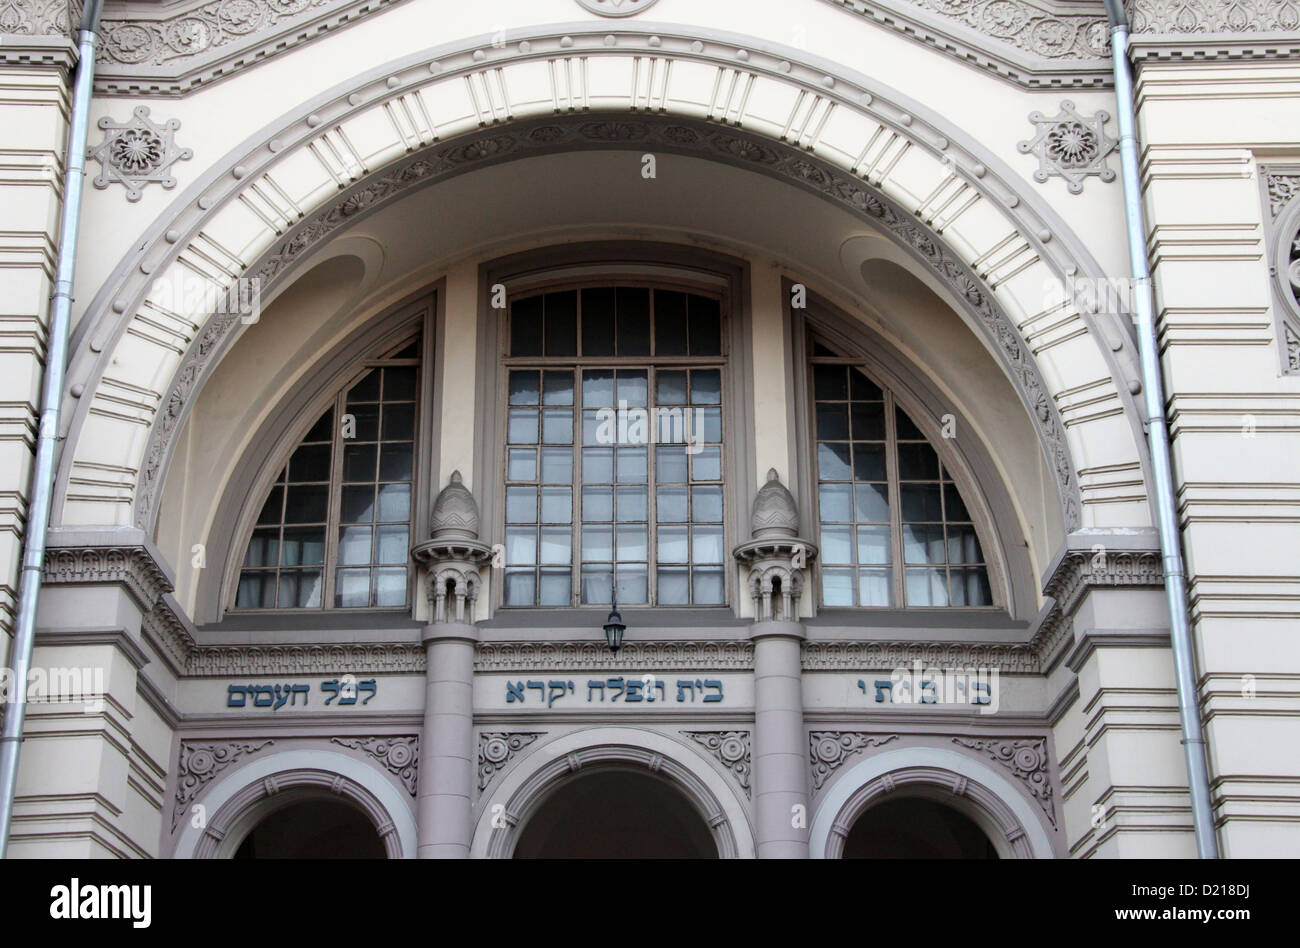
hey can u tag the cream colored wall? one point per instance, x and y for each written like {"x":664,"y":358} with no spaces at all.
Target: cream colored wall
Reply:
{"x":1206,"y":128}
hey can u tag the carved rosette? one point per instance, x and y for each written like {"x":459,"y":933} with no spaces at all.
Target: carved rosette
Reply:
{"x":200,"y":762}
{"x":138,"y":152}
{"x":829,"y":749}
{"x":731,"y":748}
{"x":1026,"y":759}
{"x":400,"y":755}
{"x":497,"y":748}
{"x":1070,"y":146}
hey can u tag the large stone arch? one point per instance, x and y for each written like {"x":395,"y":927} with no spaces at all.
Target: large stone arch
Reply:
{"x":244,"y":796}
{"x":964,"y":218}
{"x":979,"y":792}
{"x":502,"y":812}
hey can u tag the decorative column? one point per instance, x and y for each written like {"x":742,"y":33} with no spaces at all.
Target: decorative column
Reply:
{"x":453,"y":556}
{"x":773,"y":561}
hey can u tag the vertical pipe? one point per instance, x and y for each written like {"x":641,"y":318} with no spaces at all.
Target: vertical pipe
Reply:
{"x":1207,"y":843}
{"x":56,"y":354}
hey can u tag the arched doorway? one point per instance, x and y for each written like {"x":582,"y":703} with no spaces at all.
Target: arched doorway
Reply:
{"x":616,"y":814}
{"x":915,"y":828}
{"x":313,"y":828}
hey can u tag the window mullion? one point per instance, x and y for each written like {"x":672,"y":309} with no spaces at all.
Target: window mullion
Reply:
{"x":895,"y":502}
{"x":332,"y":515}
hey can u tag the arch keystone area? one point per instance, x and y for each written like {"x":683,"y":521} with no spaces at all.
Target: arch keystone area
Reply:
{"x":1005,"y":259}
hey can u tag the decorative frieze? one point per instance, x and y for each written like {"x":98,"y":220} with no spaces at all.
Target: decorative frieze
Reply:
{"x":226,"y":661}
{"x":1214,"y":16}
{"x":829,"y":749}
{"x":400,"y":755}
{"x":512,"y":656}
{"x":1101,"y":566}
{"x":138,"y":152}
{"x":1282,"y":186}
{"x":199,"y":763}
{"x":132,"y":566}
{"x":497,"y":748}
{"x":1027,"y":760}
{"x":1070,"y":145}
{"x":833,"y":656}
{"x":731,"y":748}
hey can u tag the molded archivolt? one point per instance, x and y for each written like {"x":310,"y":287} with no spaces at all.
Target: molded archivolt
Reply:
{"x":138,"y":361}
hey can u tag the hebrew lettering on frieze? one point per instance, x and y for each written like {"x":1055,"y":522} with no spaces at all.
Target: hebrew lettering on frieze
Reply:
{"x":233,"y":692}
{"x":514,"y":692}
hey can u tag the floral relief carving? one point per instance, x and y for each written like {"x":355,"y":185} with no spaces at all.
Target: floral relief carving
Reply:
{"x":199,"y":763}
{"x":497,"y":748}
{"x":1070,"y":145}
{"x":1026,"y":759}
{"x":731,"y":748}
{"x":400,"y":755}
{"x":138,"y":152}
{"x":1214,"y":16}
{"x":829,"y":749}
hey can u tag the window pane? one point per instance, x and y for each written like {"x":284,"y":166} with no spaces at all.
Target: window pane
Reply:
{"x":310,"y":462}
{"x":633,"y":310}
{"x":923,"y":543}
{"x":836,"y":502}
{"x":555,"y":588}
{"x":557,"y":504}
{"x":561,"y":323}
{"x":394,"y":502}
{"x":706,"y":326}
{"x":399,"y":421}
{"x":557,"y":426}
{"x":632,"y":388}
{"x":706,"y":544}
{"x":671,"y":542}
{"x":395,"y":462}
{"x":631,"y":503}
{"x":872,"y":503}
{"x":557,"y":545}
{"x":874,"y":587}
{"x":299,"y":589}
{"x":868,"y":462}
{"x":706,"y":586}
{"x":670,"y":503}
{"x":712,"y":418}
{"x":303,"y":546}
{"x":632,"y":543}
{"x":920,"y":502}
{"x":256,"y":590}
{"x":557,"y":465}
{"x":519,"y":586}
{"x":963,"y":545}
{"x":597,"y":504}
{"x":917,"y":462}
{"x":953,"y":506}
{"x":670,"y":387}
{"x":359,"y":462}
{"x":906,"y":430}
{"x":323,"y":430}
{"x":521,"y":464}
{"x":833,"y":461}
{"x":306,"y":504}
{"x":390,"y":587}
{"x":706,"y":504}
{"x":670,"y":323}
{"x":873,"y":544}
{"x":399,"y":384}
{"x":394,"y":545}
{"x":557,"y":388}
{"x":598,"y":322}
{"x":926,"y":587}
{"x":670,"y":465}
{"x":868,"y":421}
{"x":596,"y":583}
{"x":862,"y":388}
{"x":830,"y":383}
{"x":366,"y":390}
{"x":837,"y":544}
{"x":263,"y":548}
{"x":598,"y":465}
{"x":364,"y":424}
{"x":970,"y":586}
{"x":597,"y":543}
{"x":598,"y":388}
{"x":523,"y":426}
{"x":631,"y":465}
{"x":358,"y":504}
{"x":521,"y":504}
{"x":706,"y":387}
{"x":526,"y":327}
{"x":832,"y":422}
{"x":674,"y":585}
{"x":525,"y":387}
{"x":633,"y":585}
{"x":707,"y":464}
{"x":521,"y":545}
{"x":273,"y":509}
{"x":354,"y":545}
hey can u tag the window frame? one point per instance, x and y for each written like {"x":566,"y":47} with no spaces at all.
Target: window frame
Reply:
{"x":953,"y":468}
{"x":577,"y":364}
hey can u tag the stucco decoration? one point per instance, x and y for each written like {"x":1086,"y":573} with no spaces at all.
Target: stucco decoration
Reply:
{"x":1214,"y":16}
{"x":577,"y":656}
{"x":829,"y":749}
{"x":1070,"y":145}
{"x":731,"y":748}
{"x":39,"y":17}
{"x":774,"y":513}
{"x":855,"y":656}
{"x":455,"y":513}
{"x":200,"y":762}
{"x":1027,"y":759}
{"x":497,"y":748}
{"x":221,"y":661}
{"x":567,"y":133}
{"x":1079,"y":569}
{"x":138,"y":152}
{"x":1282,"y":187}
{"x":616,"y":7}
{"x":175,"y":47}
{"x":134,"y":567}
{"x":400,"y":755}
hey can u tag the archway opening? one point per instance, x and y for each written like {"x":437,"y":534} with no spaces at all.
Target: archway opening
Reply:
{"x":913,"y":828}
{"x":616,"y":814}
{"x":313,"y":829}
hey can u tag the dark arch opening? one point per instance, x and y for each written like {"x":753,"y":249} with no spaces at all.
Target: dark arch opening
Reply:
{"x":313,"y":829}
{"x":616,"y":815}
{"x":913,"y":828}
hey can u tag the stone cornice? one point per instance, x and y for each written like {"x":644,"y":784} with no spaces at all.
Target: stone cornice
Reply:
{"x":1077,"y":570}
{"x":117,"y":555}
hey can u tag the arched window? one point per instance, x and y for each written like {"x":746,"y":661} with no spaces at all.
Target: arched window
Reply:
{"x":335,"y":528}
{"x":613,"y":447}
{"x":894,"y":529}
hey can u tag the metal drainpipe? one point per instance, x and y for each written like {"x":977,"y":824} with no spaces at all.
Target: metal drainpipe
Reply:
{"x":56,"y":354}
{"x":1207,"y":842}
